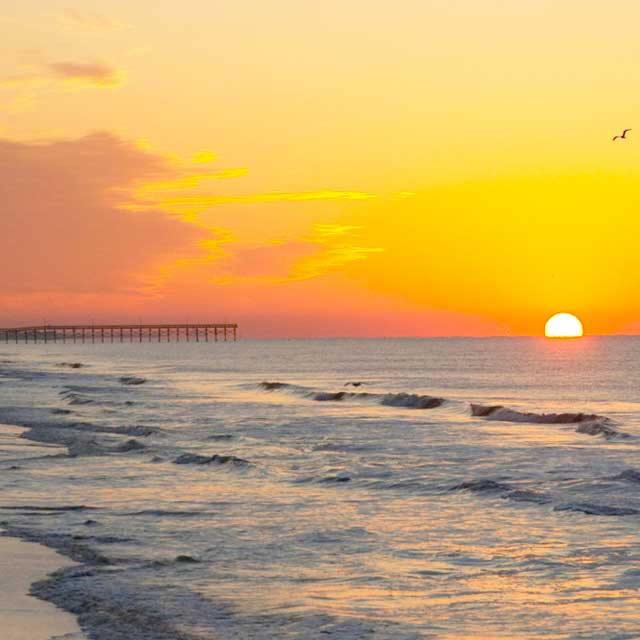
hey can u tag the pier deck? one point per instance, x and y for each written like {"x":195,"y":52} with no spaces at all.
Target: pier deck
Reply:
{"x":120,"y":333}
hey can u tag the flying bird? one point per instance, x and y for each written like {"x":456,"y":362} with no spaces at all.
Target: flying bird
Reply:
{"x":623,"y":136}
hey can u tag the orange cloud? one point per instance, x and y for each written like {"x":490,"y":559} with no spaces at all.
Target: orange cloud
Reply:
{"x":326,"y":249}
{"x":64,"y":227}
{"x":273,"y":261}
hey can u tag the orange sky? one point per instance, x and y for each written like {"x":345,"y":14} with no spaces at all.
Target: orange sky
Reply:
{"x":420,"y":167}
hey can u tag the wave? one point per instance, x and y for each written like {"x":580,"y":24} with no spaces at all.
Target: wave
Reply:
{"x":600,"y":429}
{"x":404,"y":400}
{"x":76,"y":399}
{"x":629,"y":475}
{"x":482,"y":486}
{"x":81,"y":438}
{"x":194,"y":458}
{"x":588,"y":423}
{"x":129,"y":445}
{"x":498,"y":412}
{"x":508,"y":492}
{"x":526,"y":495}
{"x":132,"y":380}
{"x":337,"y":396}
{"x":334,"y":479}
{"x":411,"y":401}
{"x":338,"y":478}
{"x":79,"y":395}
{"x":60,"y":508}
{"x":273,"y":386}
{"x":596,"y":509}
{"x":166,"y":513}
{"x":502,"y":490}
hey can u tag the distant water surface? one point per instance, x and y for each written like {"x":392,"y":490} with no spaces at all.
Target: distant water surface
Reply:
{"x":205,"y":504}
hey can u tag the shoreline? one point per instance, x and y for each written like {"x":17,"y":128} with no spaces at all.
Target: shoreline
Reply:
{"x":23,"y":563}
{"x":25,"y":616}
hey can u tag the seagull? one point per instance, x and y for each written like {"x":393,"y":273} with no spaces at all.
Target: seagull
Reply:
{"x":623,"y":136}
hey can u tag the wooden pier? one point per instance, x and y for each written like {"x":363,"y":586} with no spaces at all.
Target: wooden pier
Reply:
{"x":98,"y":333}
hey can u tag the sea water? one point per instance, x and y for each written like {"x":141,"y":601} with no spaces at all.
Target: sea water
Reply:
{"x":252,"y":490}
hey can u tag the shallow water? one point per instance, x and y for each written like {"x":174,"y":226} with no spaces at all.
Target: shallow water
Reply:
{"x":332,"y":510}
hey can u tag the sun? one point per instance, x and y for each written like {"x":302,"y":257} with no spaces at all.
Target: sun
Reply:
{"x":563,"y":325}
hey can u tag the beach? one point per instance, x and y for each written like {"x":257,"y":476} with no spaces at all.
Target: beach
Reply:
{"x":22,"y":616}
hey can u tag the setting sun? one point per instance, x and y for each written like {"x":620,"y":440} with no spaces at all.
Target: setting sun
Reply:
{"x":563,"y":325}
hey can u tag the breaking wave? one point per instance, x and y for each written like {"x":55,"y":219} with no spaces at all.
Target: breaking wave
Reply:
{"x":597,"y":509}
{"x":411,"y":401}
{"x":628,"y":475}
{"x":193,"y":458}
{"x":588,"y":423}
{"x":132,"y":380}
{"x":493,"y":488}
{"x":498,"y":412}
{"x":404,"y":400}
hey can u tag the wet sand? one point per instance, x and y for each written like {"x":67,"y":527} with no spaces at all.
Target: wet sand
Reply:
{"x":23,"y":617}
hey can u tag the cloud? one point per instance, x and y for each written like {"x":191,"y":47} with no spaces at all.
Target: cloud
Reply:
{"x":203,"y":157}
{"x":331,"y":258}
{"x":327,"y":248}
{"x":64,"y":225}
{"x":326,"y":194}
{"x":332,"y":230}
{"x":89,"y":20}
{"x":92,"y":73}
{"x":42,"y":75}
{"x":236,"y":172}
{"x":73,"y":225}
{"x":23,"y":91}
{"x":194,"y":204}
{"x":271,"y":261}
{"x":190,"y":181}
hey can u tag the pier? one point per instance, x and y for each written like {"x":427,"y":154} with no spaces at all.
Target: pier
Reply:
{"x":99,"y":333}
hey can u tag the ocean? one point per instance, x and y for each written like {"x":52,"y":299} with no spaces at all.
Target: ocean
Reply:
{"x":252,"y":490}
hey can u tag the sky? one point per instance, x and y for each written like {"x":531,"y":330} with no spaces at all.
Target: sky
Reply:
{"x":335,"y":168}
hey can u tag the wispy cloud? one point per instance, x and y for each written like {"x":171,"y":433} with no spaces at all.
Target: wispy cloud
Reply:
{"x":328,"y":247}
{"x":203,"y":157}
{"x":332,"y":230}
{"x":191,"y":181}
{"x":274,"y":196}
{"x":191,"y":205}
{"x":89,"y":20}
{"x":337,"y":247}
{"x":95,"y":74}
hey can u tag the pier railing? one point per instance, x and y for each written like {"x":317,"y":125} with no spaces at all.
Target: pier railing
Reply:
{"x":120,"y":333}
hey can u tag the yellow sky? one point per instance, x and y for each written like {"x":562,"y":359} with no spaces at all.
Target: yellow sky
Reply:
{"x":339,"y":168}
